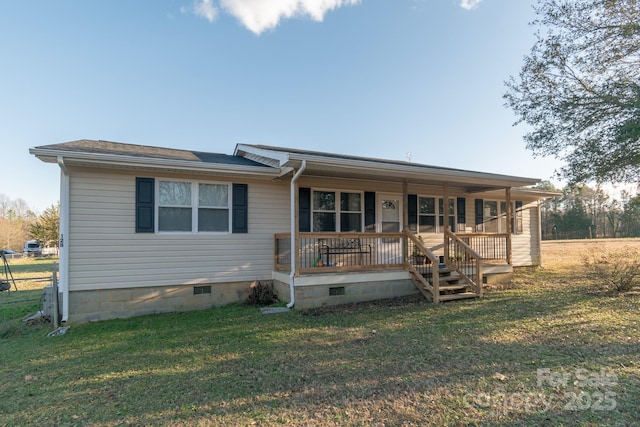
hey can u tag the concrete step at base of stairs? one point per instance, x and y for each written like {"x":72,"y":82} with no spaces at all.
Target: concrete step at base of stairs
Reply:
{"x":462,"y":295}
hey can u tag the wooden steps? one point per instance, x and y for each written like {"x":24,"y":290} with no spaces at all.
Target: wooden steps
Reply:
{"x":452,"y":286}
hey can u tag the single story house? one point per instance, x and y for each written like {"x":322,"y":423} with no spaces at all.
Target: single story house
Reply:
{"x":148,"y":229}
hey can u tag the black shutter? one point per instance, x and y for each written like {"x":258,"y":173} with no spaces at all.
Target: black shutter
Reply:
{"x":145,"y":190}
{"x":304,"y":209}
{"x":240,"y":209}
{"x":412,"y":209}
{"x":370,"y":211}
{"x":462,"y":210}
{"x":479,"y":211}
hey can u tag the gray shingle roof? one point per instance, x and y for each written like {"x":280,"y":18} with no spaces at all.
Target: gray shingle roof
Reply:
{"x":117,"y":148}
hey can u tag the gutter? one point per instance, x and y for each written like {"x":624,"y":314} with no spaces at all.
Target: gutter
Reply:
{"x":294,"y":223}
{"x":64,"y":234}
{"x":403,"y":169}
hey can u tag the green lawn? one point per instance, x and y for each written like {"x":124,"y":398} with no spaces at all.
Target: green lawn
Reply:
{"x":407,"y":362}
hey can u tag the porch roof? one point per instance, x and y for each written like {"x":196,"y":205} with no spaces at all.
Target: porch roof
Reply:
{"x":366,"y":168}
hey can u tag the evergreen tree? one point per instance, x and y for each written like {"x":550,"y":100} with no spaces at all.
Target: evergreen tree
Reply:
{"x":47,"y":227}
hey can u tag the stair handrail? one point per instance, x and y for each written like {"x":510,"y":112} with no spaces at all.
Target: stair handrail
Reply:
{"x":476,"y":282}
{"x":435,"y":282}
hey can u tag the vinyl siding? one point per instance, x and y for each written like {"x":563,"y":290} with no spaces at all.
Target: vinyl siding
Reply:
{"x":106,"y":253}
{"x":523,"y":245}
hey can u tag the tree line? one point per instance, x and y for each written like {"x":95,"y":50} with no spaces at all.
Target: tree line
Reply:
{"x":19,"y":223}
{"x":584,"y":212}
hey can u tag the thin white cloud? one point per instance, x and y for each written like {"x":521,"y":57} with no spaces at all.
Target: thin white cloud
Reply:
{"x":206,"y":9}
{"x":469,"y":4}
{"x":261,"y":15}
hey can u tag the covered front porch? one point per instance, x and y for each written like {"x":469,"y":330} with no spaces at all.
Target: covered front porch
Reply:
{"x":381,"y":265}
{"x":364,"y":228}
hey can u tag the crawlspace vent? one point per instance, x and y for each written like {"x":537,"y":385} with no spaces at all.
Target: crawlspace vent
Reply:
{"x":200,"y":290}
{"x":337,"y":290}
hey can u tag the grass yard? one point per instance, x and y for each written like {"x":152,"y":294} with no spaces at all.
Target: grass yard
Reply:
{"x":547,"y":349}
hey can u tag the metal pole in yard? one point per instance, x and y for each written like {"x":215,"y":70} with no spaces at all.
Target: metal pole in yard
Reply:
{"x":54,"y":283}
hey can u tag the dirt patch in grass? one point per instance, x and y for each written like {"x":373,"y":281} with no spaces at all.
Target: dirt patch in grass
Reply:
{"x":409,"y":300}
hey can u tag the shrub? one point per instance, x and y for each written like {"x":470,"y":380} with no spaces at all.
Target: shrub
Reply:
{"x":617,"y":270}
{"x":261,"y":293}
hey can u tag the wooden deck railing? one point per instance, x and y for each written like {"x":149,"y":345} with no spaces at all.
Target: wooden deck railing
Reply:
{"x":335,"y":252}
{"x":490,"y":246}
{"x":327,"y":252}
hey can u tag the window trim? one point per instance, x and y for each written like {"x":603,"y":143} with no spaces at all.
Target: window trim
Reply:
{"x":338,"y":211}
{"x":195,"y":191}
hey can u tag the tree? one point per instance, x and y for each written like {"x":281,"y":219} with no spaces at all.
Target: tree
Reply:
{"x":575,"y":222}
{"x":15,"y":219}
{"x":47,"y":228}
{"x":579,"y":88}
{"x":548,"y":209}
{"x":631,"y":217}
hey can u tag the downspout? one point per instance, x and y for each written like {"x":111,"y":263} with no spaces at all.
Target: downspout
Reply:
{"x":63,"y":242}
{"x":294,"y":229}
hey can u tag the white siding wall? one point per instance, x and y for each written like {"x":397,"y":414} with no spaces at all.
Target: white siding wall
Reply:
{"x":107,"y":253}
{"x":526,"y":245}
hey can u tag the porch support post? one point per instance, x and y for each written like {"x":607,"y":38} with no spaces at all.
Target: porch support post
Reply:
{"x":405,"y":218}
{"x":445,"y":211}
{"x":509,"y":219}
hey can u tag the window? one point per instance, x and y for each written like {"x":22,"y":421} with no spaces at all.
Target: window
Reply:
{"x":518,"y":229}
{"x":493,"y":217}
{"x":174,"y":206}
{"x":350,"y":212}
{"x":213,"y":207}
{"x":324,"y":211}
{"x":490,"y":216}
{"x":193,"y":207}
{"x":427,"y":215}
{"x":333,"y":211}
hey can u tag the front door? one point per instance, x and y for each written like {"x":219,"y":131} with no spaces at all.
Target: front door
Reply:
{"x":389,"y":220}
{"x":389,"y":213}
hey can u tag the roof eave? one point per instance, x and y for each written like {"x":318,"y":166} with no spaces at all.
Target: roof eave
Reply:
{"x":415,"y":172}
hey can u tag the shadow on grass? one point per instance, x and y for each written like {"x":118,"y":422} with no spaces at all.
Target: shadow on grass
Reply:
{"x":452,"y":364}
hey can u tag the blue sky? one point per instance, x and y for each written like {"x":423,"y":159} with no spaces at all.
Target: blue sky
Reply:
{"x":379,"y":78}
